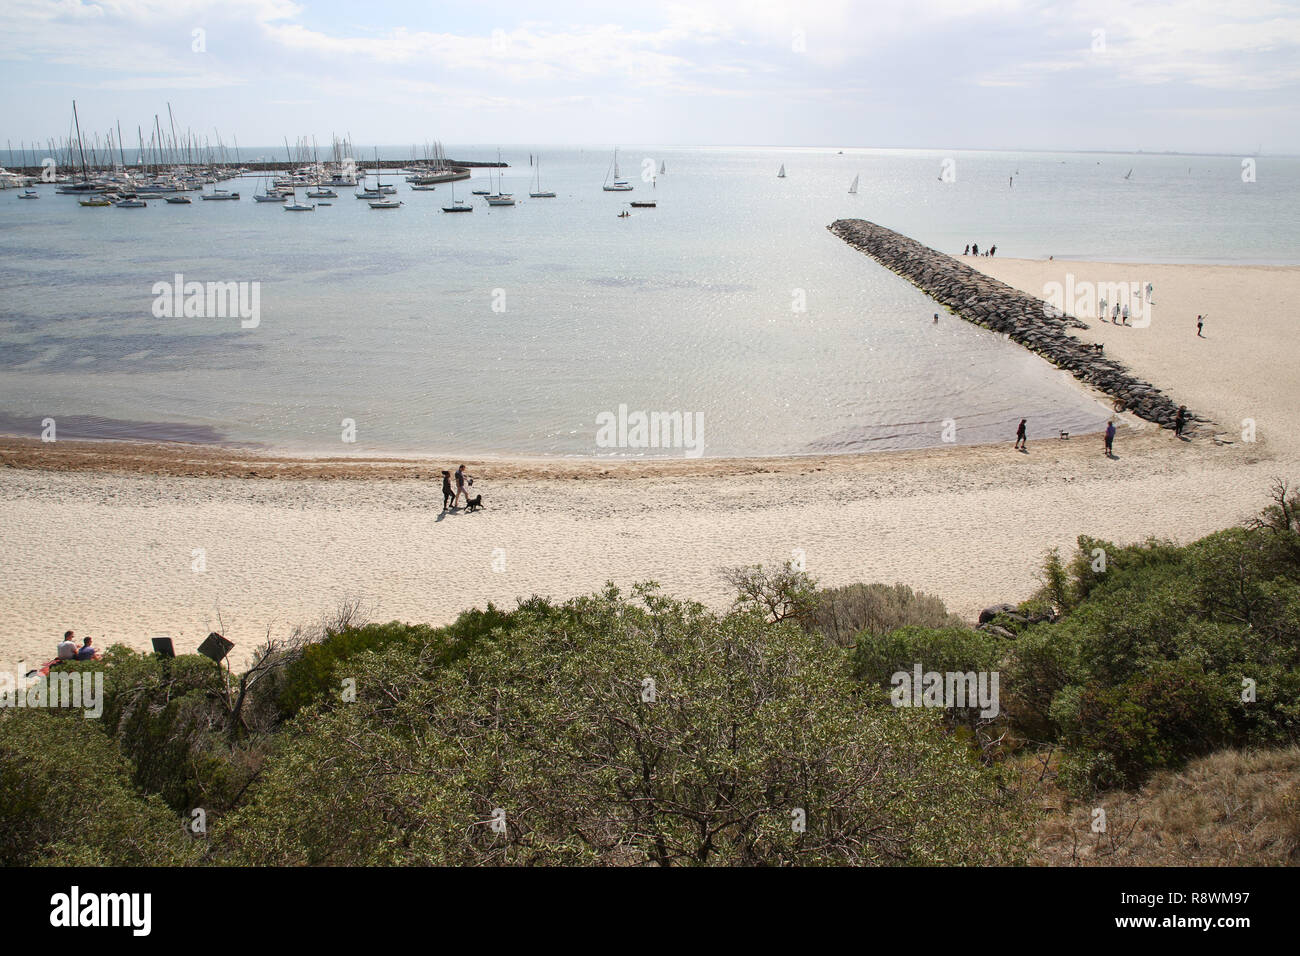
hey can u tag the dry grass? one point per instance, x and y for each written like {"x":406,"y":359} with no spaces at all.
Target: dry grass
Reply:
{"x":1232,"y":808}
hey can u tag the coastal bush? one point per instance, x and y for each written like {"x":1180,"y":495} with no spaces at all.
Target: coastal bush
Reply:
{"x":842,"y":614}
{"x":315,"y":676}
{"x":1166,"y":652}
{"x":781,"y":594}
{"x":876,"y":658}
{"x":67,"y":798}
{"x":622,"y":730}
{"x":1153,"y":721}
{"x":170,"y":719}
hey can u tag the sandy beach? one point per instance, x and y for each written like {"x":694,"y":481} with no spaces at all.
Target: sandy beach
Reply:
{"x":107,"y":538}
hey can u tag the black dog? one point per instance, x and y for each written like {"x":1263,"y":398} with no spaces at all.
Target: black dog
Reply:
{"x":473,"y":504}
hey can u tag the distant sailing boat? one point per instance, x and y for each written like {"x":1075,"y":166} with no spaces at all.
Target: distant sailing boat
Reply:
{"x":618,"y":185}
{"x":499,"y":198}
{"x":296,"y":206}
{"x":663,"y":167}
{"x":539,"y":194}
{"x":781,"y":173}
{"x":456,"y":206}
{"x":853,"y":190}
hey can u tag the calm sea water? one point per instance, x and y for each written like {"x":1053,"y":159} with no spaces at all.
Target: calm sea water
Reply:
{"x":510,"y":330}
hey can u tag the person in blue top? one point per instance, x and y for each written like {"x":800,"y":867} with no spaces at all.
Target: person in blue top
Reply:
{"x":1110,"y":438}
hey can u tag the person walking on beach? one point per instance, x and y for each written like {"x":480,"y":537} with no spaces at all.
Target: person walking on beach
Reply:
{"x":463,"y":481}
{"x":1180,"y":420}
{"x":1101,"y":309}
{"x":936,"y":318}
{"x":1150,"y":289}
{"x":1115,"y":318}
{"x":1125,"y":313}
{"x":1199,"y":323}
{"x":975,"y":248}
{"x":967,"y":252}
{"x":993,"y":250}
{"x":1020,"y":436}
{"x":1110,"y":438}
{"x":448,"y":496}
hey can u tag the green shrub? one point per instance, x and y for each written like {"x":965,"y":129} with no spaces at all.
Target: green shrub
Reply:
{"x":66,"y":798}
{"x":1156,"y":720}
{"x":842,"y":614}
{"x":622,"y":731}
{"x":315,"y":677}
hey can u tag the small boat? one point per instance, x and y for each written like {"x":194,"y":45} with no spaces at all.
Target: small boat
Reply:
{"x":220,"y":194}
{"x":130,"y":204}
{"x":781,"y":172}
{"x":369,"y":194}
{"x":853,"y":190}
{"x":385,"y":204}
{"x":29,"y":194}
{"x":95,"y":201}
{"x":299,"y":206}
{"x":642,"y":205}
{"x":624,"y":214}
{"x":540,"y":193}
{"x":456,"y":206}
{"x":618,"y":185}
{"x":423,"y":188}
{"x":499,"y":198}
{"x":481,"y":192}
{"x":179,"y":200}
{"x":322,"y":194}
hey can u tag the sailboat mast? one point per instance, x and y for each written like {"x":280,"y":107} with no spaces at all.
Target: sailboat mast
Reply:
{"x":80,"y":148}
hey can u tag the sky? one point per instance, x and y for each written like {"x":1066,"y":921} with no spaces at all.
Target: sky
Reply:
{"x":1184,"y":75}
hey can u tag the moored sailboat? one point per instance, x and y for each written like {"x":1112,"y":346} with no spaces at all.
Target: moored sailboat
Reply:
{"x":540,"y":193}
{"x":618,"y":185}
{"x":457,"y":206}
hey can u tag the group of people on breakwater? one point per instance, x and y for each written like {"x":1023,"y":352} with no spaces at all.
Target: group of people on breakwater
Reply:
{"x":974,"y":250}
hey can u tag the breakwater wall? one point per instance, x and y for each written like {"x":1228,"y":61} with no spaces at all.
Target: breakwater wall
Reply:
{"x":460,"y":166}
{"x":994,"y":305}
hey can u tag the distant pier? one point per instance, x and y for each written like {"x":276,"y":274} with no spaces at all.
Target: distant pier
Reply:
{"x":1031,"y":322}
